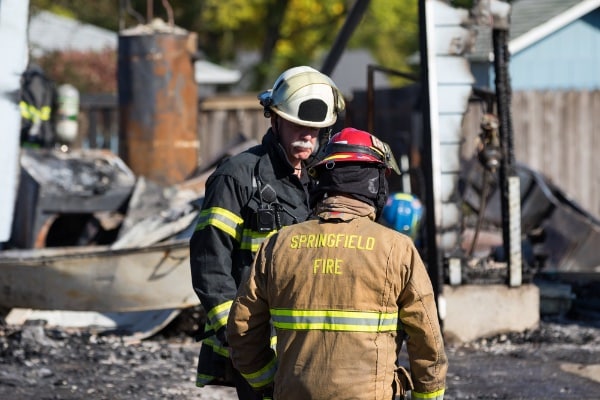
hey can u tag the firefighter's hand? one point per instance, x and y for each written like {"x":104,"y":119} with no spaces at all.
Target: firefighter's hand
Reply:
{"x":222,"y":336}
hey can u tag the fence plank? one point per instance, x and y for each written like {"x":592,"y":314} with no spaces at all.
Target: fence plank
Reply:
{"x":582,"y":148}
{"x":594,"y":201}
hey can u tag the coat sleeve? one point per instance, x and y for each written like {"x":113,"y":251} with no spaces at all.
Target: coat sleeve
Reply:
{"x":217,"y":235}
{"x":419,"y":317}
{"x":249,"y":328}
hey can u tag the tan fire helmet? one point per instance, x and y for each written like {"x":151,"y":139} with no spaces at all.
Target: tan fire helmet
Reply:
{"x":304,"y":96}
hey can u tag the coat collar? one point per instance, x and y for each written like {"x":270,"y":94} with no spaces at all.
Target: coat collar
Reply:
{"x":343,"y":208}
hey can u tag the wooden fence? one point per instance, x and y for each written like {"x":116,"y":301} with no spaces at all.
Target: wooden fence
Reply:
{"x":555,"y":133}
{"x":222,"y":120}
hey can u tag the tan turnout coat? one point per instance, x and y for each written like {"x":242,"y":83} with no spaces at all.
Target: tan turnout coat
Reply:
{"x":342,"y":292}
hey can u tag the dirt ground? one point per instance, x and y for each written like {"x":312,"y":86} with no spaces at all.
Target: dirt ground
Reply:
{"x":559,"y":360}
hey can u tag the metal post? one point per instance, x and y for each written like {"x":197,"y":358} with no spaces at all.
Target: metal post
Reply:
{"x":370,"y":99}
{"x":354,"y":17}
{"x":510,"y":190}
{"x":432,"y":256}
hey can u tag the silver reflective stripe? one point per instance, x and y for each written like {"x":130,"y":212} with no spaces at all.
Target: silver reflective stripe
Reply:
{"x":251,"y":240}
{"x":263,"y":376}
{"x":335,"y":320}
{"x":222,"y":219}
{"x":218,"y":315}
{"x":216,"y":346}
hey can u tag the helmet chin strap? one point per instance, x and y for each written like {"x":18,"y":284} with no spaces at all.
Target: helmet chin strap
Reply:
{"x":381,"y":194}
{"x":275,"y":125}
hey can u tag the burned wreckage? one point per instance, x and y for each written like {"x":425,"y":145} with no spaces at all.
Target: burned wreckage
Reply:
{"x":98,"y":244}
{"x":90,"y":235}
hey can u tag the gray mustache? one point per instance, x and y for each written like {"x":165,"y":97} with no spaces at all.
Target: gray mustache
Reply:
{"x":303,"y":144}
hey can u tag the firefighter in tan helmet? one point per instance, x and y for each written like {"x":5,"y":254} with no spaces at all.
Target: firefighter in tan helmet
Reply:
{"x":343,"y":292}
{"x":249,"y":197}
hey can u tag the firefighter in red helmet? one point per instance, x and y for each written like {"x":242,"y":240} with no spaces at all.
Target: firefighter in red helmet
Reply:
{"x":343,"y":292}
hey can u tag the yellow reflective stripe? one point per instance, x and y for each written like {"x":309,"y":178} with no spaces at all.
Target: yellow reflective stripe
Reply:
{"x":263,"y":376}
{"x":437,"y":395}
{"x":335,"y":320}
{"x":29,"y":111}
{"x":24,"y":110}
{"x":203,"y":380}
{"x":218,"y":315}
{"x":251,"y":240}
{"x":45,"y":113}
{"x":222,"y":219}
{"x":216,"y":346}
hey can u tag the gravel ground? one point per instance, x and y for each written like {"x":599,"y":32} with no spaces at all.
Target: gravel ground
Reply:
{"x":560,"y":360}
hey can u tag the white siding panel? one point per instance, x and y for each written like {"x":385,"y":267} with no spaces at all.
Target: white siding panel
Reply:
{"x":447,"y":15}
{"x":451,"y":128}
{"x":453,"y":70}
{"x":450,"y":215}
{"x":450,"y":158}
{"x":448,"y":187}
{"x":456,"y":40}
{"x":453,"y":99}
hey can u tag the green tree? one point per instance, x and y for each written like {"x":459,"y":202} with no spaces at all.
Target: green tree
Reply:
{"x":282,"y":32}
{"x":390,"y":30}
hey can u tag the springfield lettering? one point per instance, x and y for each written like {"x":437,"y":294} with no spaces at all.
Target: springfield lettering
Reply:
{"x":333,"y":240}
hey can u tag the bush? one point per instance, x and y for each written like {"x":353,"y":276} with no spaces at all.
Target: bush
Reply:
{"x":88,"y":71}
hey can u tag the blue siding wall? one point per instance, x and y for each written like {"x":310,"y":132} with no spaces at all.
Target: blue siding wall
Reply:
{"x":567,"y":59}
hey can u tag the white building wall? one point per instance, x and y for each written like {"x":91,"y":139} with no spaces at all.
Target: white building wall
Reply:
{"x":450,"y":85}
{"x":13,"y":42}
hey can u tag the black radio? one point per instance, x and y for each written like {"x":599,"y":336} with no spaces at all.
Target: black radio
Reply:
{"x":266,"y":219}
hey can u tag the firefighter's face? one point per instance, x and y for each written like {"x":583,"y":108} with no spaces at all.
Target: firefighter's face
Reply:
{"x":298,"y":141}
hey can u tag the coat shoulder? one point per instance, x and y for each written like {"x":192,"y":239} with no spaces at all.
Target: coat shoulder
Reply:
{"x":242,"y":164}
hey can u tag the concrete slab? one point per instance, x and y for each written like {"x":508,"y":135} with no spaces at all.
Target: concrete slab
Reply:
{"x":475,"y":311}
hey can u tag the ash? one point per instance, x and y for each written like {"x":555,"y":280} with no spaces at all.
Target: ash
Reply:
{"x":42,"y":363}
{"x":559,"y":360}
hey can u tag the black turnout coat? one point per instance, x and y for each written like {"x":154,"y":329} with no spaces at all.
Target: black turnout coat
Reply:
{"x":248,"y":198}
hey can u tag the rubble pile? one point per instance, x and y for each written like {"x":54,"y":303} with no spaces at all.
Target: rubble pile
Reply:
{"x":44,"y":363}
{"x":51,"y":364}
{"x":559,"y":360}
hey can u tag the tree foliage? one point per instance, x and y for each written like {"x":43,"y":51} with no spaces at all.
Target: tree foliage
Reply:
{"x":390,"y":30}
{"x":280,"y":33}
